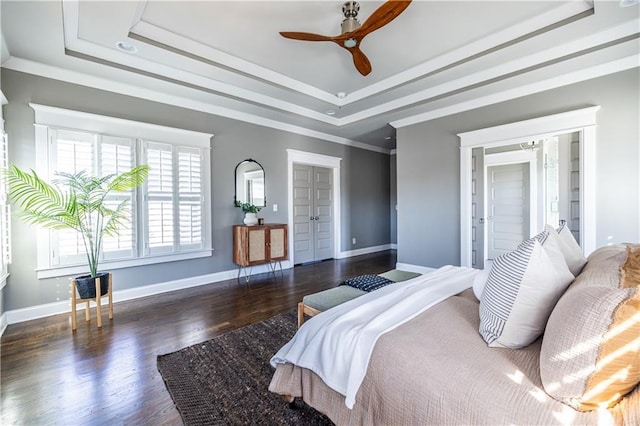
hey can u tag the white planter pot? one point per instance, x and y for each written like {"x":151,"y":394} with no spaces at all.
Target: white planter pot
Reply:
{"x":250,"y":218}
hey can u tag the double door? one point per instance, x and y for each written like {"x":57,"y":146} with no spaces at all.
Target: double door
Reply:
{"x":312,"y":213}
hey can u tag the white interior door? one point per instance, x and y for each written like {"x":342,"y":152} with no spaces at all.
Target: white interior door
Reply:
{"x":507,"y":207}
{"x":312,"y":213}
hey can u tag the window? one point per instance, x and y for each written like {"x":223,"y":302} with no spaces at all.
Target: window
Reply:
{"x":174,"y":198}
{"x":169,"y":215}
{"x":5,"y":230}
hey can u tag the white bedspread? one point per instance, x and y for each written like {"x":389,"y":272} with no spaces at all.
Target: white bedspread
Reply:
{"x":337,"y":344}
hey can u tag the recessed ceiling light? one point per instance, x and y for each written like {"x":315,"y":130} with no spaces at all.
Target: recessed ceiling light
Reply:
{"x":627,"y":3}
{"x":126,"y":47}
{"x":341,"y":95}
{"x":330,"y":112}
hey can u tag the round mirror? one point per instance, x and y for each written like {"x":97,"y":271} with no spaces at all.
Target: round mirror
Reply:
{"x":250,"y":183}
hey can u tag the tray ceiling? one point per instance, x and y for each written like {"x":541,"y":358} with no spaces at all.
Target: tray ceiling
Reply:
{"x":227,"y":58}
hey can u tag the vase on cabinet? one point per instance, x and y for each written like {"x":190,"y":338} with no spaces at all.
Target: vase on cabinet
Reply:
{"x":250,"y":218}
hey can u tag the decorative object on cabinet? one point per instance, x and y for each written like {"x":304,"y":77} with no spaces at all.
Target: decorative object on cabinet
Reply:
{"x":258,"y":245}
{"x":250,"y":184}
{"x":250,"y":212}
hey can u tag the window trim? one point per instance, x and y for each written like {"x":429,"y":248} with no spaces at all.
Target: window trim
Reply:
{"x":5,"y":216}
{"x":48,"y":116}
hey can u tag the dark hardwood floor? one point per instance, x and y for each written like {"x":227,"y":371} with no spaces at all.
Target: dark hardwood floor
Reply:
{"x":50,"y":375}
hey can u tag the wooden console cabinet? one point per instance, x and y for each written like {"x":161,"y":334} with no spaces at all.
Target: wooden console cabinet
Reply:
{"x":259,"y":244}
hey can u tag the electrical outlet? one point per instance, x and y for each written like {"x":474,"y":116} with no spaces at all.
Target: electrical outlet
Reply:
{"x":275,"y":207}
{"x":353,"y":240}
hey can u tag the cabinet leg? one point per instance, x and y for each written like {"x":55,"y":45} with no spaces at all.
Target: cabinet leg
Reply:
{"x":246,"y":277}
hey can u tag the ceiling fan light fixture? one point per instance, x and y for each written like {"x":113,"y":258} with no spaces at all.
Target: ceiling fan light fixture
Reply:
{"x":350,"y":42}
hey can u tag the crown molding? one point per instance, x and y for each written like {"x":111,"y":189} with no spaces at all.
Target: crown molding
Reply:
{"x":595,"y":71}
{"x":74,"y":77}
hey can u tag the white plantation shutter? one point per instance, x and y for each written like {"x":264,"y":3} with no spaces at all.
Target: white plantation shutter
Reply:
{"x":190,"y":198}
{"x":160,"y":198}
{"x":74,"y":151}
{"x":174,"y":198}
{"x":117,"y":156}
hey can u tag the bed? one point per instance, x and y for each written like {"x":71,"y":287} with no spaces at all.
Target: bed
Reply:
{"x":436,"y":368}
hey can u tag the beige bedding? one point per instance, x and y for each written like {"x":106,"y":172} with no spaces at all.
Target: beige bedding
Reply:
{"x":436,"y":369}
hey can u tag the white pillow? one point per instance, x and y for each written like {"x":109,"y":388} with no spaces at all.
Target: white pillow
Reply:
{"x":551,"y":243}
{"x":521,"y":291}
{"x":479,"y":281}
{"x":570,"y":249}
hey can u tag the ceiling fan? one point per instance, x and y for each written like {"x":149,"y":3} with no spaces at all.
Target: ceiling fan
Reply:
{"x":353,"y":32}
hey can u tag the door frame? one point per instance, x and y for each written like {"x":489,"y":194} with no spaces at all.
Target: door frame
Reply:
{"x":504,"y":159}
{"x":582,"y":121}
{"x":319,"y":160}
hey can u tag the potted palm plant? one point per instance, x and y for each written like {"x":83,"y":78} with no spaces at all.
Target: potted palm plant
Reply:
{"x":76,"y":201}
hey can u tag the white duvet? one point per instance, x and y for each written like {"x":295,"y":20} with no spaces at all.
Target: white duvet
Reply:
{"x":337,"y":344}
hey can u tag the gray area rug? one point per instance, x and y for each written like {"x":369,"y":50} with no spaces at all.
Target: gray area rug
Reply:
{"x":224,"y":381}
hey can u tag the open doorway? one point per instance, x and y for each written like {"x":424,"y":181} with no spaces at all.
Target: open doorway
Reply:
{"x":580,"y":128}
{"x":524,"y":186}
{"x":582,"y":122}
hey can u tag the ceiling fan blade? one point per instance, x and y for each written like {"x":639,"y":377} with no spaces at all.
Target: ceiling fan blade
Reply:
{"x":360,"y":60}
{"x":305,"y":36}
{"x":381,"y":17}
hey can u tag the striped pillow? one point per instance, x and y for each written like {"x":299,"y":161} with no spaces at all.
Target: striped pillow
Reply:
{"x":521,"y":291}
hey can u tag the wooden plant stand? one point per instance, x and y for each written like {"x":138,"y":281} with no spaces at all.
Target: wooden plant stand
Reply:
{"x":98,"y":299}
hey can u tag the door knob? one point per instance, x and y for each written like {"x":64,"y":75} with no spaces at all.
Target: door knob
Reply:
{"x":317,"y":217}
{"x":310,"y":217}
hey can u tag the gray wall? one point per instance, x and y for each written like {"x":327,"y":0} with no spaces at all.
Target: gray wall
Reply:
{"x":365,"y":214}
{"x":429,"y":166}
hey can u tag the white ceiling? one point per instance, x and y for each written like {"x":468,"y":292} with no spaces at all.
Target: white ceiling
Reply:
{"x":227,"y":58}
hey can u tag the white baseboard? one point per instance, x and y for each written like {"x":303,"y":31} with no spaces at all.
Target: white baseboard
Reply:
{"x":394,"y":246}
{"x":414,"y":268}
{"x":366,"y":250}
{"x":39,"y":311}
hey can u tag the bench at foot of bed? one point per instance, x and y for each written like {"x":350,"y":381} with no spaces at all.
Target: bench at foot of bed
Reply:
{"x":313,"y":304}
